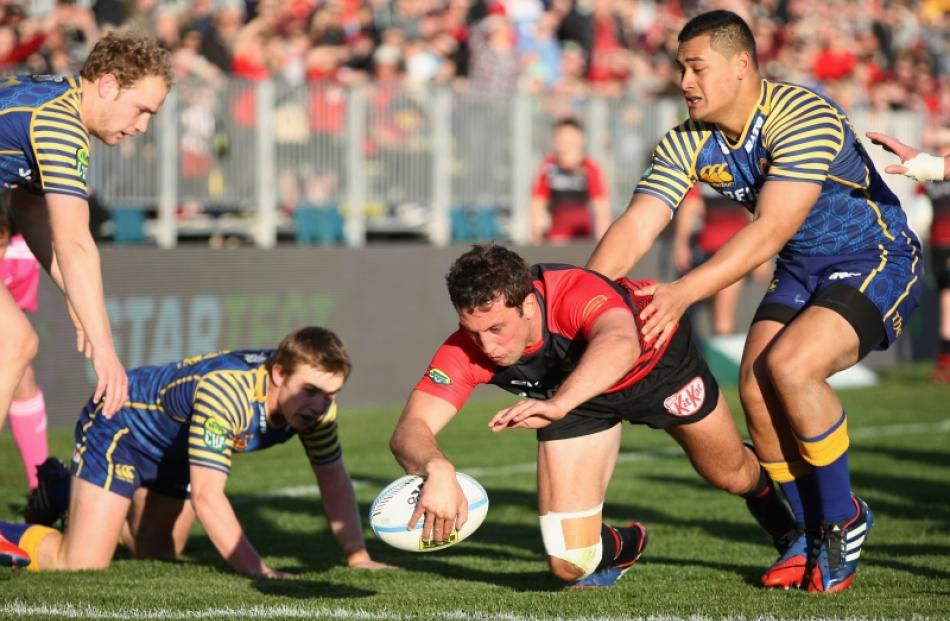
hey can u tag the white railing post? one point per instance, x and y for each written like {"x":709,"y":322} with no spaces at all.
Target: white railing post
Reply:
{"x":521,"y":164}
{"x":440,"y":233}
{"x":355,"y":226}
{"x":166,"y":226}
{"x":265,"y":231}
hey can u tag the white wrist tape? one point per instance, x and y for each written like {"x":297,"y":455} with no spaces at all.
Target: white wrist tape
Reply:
{"x":925,"y":167}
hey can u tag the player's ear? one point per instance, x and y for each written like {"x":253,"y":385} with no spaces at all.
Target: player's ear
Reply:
{"x":530,"y":306}
{"x":278,"y":374}
{"x":744,"y":65}
{"x":107,"y":86}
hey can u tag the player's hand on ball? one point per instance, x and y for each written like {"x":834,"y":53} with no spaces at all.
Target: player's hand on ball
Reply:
{"x":443,"y":505}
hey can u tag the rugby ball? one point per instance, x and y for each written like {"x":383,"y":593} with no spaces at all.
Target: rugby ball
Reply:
{"x":390,"y":513}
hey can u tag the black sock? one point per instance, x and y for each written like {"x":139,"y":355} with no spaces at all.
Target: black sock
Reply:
{"x":945,"y":346}
{"x":772,"y":514}
{"x":619,"y":546}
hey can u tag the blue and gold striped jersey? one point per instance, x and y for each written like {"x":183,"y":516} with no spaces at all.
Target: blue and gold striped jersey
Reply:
{"x":44,"y":145}
{"x":794,"y":134}
{"x":205,"y":409}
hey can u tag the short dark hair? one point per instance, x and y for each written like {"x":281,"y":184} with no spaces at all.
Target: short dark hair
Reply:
{"x":727,"y":33}
{"x":314,"y":346}
{"x":130,"y":57}
{"x":569,"y":121}
{"x":486,"y":272}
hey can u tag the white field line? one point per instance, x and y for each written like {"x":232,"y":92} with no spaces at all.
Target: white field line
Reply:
{"x":17,"y":609}
{"x":866,"y":433}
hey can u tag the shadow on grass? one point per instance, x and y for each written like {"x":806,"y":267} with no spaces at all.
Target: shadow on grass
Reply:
{"x":308,"y":589}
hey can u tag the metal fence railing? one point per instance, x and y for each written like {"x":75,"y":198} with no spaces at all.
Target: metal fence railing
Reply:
{"x":256,"y":160}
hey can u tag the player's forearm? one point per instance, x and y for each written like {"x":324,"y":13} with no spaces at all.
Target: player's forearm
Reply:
{"x":339,"y":503}
{"x":219,"y":521}
{"x":606,"y":360}
{"x":415,"y":448}
{"x":601,"y":208}
{"x":617,"y":252}
{"x":78,"y":262}
{"x":752,"y":246}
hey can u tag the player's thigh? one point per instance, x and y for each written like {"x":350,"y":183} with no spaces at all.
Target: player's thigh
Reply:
{"x":20,"y":341}
{"x":573,"y":473}
{"x":159,"y":524}
{"x":817,"y":343}
{"x":715,"y":449}
{"x":96,"y":516}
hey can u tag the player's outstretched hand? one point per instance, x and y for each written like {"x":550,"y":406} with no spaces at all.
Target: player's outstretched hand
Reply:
{"x":372,"y":565}
{"x":113,"y":384}
{"x":275,"y":574}
{"x":527,"y":414}
{"x":895,"y":146}
{"x":663,"y":312}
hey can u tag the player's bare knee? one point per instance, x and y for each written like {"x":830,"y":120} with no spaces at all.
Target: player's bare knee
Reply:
{"x":21,"y":343}
{"x":787,"y":369}
{"x":564,"y":571}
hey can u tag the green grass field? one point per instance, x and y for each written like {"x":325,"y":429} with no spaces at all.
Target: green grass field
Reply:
{"x":703,"y":561}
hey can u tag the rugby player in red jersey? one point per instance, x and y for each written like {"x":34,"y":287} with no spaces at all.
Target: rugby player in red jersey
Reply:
{"x":567,"y":341}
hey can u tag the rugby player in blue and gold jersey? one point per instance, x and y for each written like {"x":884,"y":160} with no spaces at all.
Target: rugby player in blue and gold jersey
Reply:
{"x":849,"y":272}
{"x":142,"y":476}
{"x":45,"y":125}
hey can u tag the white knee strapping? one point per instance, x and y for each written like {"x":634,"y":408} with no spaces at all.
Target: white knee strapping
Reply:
{"x":552,"y":533}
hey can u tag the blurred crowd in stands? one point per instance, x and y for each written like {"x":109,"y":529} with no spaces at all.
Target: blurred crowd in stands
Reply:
{"x":888,"y":54}
{"x":873,"y":56}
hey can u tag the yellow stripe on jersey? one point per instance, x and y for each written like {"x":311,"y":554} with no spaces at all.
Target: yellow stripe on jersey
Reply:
{"x":673,"y":167}
{"x":115,"y":442}
{"x":85,"y":430}
{"x":321,"y":441}
{"x":876,"y":270}
{"x":913,"y":269}
{"x":71,"y":139}
{"x":223,"y":409}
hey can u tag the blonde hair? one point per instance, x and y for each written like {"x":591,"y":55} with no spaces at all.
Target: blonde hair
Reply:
{"x":314,"y":346}
{"x":129,"y":57}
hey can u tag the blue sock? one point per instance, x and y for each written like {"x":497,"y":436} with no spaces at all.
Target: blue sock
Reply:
{"x":804,"y":499}
{"x":13,"y":531}
{"x":834,"y":490}
{"x":831,"y":478}
{"x":794,"y":500}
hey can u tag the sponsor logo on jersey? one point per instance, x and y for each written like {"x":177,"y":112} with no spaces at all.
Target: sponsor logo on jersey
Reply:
{"x":82,"y":162}
{"x":215,"y":436}
{"x":125,"y":472}
{"x":592,"y":305}
{"x":439,"y":377}
{"x":688,"y":399}
{"x":898,"y":323}
{"x":843,"y":275}
{"x":240,"y":442}
{"x":754,"y":134}
{"x":773,"y":285}
{"x":716,"y":175}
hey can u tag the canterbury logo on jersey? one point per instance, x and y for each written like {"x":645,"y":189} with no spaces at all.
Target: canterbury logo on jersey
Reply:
{"x":716,"y":175}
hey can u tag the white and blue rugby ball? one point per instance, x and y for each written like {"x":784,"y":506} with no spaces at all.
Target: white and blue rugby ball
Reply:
{"x":390,"y":513}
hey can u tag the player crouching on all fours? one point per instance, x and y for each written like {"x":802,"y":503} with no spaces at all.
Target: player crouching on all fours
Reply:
{"x":567,"y":340}
{"x":133,"y":473}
